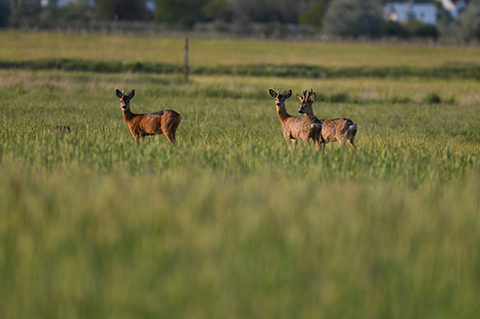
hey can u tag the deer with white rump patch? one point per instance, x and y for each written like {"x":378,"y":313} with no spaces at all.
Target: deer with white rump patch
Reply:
{"x":141,"y":125}
{"x":296,"y":128}
{"x":342,"y":130}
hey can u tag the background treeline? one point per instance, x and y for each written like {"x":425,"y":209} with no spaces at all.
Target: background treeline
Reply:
{"x":342,"y":18}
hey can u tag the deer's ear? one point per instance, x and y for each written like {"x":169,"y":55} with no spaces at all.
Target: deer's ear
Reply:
{"x":288,"y":94}
{"x":131,"y":94}
{"x":313,"y":96}
{"x":300,"y":99}
{"x":272,"y":93}
{"x":119,"y":94}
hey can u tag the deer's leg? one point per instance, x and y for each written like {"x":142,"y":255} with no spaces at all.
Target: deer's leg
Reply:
{"x":341,"y":140}
{"x":306,"y":140}
{"x":322,"y":145}
{"x":350,"y":137}
{"x":350,"y":143}
{"x":170,"y":137}
{"x":169,"y":133}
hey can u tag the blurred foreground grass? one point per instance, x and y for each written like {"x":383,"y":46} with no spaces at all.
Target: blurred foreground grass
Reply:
{"x":202,"y":245}
{"x":233,"y":223}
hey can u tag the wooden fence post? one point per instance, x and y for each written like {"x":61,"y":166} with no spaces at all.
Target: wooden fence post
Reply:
{"x":186,"y":66}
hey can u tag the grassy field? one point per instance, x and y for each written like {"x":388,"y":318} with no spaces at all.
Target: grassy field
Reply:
{"x":232,"y":222}
{"x":39,"y":45}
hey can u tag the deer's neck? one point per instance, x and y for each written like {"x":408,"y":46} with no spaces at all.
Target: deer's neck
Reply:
{"x":282,"y":113}
{"x":309,"y":113}
{"x":128,"y":115}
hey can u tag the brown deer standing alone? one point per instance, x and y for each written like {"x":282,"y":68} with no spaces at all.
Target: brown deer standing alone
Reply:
{"x":294,"y":127}
{"x":141,"y":125}
{"x":341,"y":129}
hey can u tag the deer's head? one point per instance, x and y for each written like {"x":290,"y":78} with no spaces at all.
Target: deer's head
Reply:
{"x":306,"y":102}
{"x":125,"y":99}
{"x":280,"y":97}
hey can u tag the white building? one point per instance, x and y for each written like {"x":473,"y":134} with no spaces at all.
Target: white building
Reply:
{"x":60,"y":3}
{"x":150,"y":4}
{"x":451,"y":7}
{"x":454,"y":7}
{"x":400,"y":12}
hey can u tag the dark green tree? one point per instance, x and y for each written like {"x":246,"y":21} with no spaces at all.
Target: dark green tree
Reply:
{"x":49,"y":14}
{"x":418,"y":29}
{"x":354,"y":18}
{"x":314,"y":16}
{"x":264,"y":11}
{"x":23,"y":12}
{"x":468,"y":25}
{"x":76,"y":10}
{"x":289,"y":10}
{"x":180,"y":13}
{"x":5,"y":12}
{"x":218,"y":10}
{"x":410,"y":29}
{"x":132,"y":10}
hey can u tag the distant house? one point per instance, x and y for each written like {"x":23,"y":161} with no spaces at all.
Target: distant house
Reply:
{"x":450,"y":6}
{"x":150,"y":4}
{"x":454,"y":7}
{"x":400,"y":12}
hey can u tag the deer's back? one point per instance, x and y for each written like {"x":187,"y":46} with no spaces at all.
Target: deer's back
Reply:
{"x":147,"y":124}
{"x":157,"y":122}
{"x":168,"y":114}
{"x":170,"y":118}
{"x":332,"y":128}
{"x":301,"y":127}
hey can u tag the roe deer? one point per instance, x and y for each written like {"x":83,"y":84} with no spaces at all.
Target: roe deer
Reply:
{"x":141,"y":125}
{"x":341,"y":129}
{"x":296,"y":128}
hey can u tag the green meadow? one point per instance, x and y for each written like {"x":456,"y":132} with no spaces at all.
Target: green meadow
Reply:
{"x":207,"y":51}
{"x":233,"y":222}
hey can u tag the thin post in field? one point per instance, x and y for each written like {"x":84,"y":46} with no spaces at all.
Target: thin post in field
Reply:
{"x":186,"y":66}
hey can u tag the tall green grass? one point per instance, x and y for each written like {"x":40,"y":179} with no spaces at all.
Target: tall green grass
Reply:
{"x":411,"y":90}
{"x":233,"y":222}
{"x":203,"y":245}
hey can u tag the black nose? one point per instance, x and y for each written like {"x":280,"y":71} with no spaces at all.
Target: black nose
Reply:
{"x":279,"y":104}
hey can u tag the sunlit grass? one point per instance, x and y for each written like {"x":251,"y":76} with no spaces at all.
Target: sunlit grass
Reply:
{"x":455,"y":91}
{"x":211,"y":52}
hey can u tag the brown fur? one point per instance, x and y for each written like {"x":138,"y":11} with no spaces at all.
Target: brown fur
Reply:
{"x":141,"y":125}
{"x":342,"y":130}
{"x":296,"y":128}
